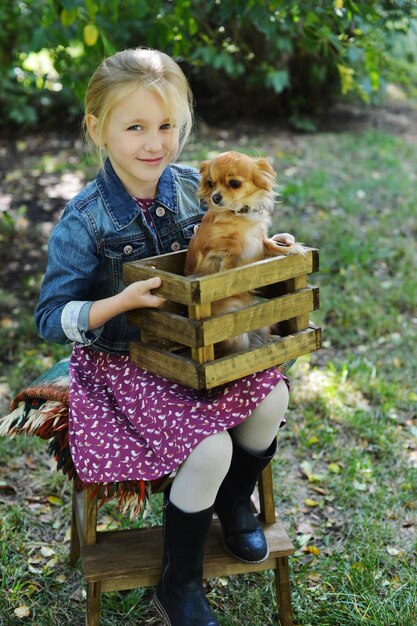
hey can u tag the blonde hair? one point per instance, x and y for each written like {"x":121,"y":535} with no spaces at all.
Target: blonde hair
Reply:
{"x":120,"y":74}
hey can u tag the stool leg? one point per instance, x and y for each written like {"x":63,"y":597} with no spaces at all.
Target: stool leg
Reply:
{"x":283,"y":589}
{"x":93,"y":604}
{"x":266,"y":495}
{"x":74,"y":537}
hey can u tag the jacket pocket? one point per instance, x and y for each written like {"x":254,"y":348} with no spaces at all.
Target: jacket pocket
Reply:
{"x":123,"y":250}
{"x":188,"y":230}
{"x":118,"y":252}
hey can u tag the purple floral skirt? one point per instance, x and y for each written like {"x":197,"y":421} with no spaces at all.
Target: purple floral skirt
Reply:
{"x":128,"y":424}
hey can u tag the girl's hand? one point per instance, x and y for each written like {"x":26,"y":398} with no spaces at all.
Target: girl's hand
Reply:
{"x":285,"y":238}
{"x":134,"y":296}
{"x":138,"y":295}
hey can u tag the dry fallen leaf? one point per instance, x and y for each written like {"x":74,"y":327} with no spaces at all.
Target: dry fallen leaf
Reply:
{"x":47,"y":552}
{"x":78,"y":595}
{"x":409,"y":522}
{"x":55,"y":500}
{"x":319,"y":490}
{"x":7,"y":489}
{"x":33,"y":560}
{"x":22,"y":611}
{"x":307,"y":469}
{"x":305,"y":528}
{"x":314,"y":579}
{"x":310,"y":502}
{"x":51,"y":563}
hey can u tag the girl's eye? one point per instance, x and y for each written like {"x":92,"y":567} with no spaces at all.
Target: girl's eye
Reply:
{"x":235,"y":184}
{"x":210,"y":183}
{"x":166,"y":126}
{"x":135,"y":127}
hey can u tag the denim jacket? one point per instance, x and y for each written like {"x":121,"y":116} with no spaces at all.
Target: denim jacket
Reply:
{"x":100,"y":229}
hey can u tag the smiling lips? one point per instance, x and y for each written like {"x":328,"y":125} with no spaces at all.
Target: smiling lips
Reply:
{"x":156,"y":161}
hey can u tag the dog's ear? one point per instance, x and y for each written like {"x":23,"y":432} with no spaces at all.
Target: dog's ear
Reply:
{"x":264,"y":174}
{"x":204,"y":168}
{"x":204,"y":190}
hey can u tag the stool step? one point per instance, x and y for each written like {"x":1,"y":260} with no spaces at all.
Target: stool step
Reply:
{"x":132,"y":558}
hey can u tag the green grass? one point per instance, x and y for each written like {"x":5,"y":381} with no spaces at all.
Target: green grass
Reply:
{"x":346,"y":469}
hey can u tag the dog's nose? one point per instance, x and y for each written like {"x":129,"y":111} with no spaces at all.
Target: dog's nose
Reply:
{"x":217,"y":198}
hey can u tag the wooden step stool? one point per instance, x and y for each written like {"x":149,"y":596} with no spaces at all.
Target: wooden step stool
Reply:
{"x":127,"y":559}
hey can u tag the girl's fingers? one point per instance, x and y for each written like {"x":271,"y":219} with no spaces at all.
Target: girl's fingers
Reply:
{"x":152,"y":283}
{"x":286,"y":238}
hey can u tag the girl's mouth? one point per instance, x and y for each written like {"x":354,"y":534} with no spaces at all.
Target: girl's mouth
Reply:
{"x":155,"y":161}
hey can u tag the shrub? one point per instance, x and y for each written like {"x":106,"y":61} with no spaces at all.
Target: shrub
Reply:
{"x":279,"y":56}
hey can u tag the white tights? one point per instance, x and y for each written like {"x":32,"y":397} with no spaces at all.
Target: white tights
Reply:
{"x":198,"y":480}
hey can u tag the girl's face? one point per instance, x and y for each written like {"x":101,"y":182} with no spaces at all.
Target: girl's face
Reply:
{"x":140,"y":140}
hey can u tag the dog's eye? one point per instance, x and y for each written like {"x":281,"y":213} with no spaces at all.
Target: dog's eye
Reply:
{"x":235,"y":184}
{"x":210,"y":183}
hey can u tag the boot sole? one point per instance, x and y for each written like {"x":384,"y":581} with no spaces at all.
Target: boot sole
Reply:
{"x":161,"y":609}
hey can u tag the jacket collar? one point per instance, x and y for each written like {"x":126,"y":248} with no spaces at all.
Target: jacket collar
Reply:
{"x":121,"y":207}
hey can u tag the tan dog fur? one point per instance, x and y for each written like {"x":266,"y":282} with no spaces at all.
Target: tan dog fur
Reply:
{"x":239,"y":193}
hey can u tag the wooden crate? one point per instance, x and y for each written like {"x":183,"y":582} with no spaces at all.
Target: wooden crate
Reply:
{"x":178,"y":341}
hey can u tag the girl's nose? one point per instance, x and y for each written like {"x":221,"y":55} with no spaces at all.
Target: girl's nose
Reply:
{"x":153,"y":142}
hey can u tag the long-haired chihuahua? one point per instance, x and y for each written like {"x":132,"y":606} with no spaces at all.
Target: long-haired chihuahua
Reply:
{"x":239,"y":193}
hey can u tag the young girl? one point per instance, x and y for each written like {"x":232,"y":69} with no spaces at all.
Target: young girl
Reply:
{"x":126,"y":423}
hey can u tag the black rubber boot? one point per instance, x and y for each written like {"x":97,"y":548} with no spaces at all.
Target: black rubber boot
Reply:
{"x":179,"y":596}
{"x":242,"y":534}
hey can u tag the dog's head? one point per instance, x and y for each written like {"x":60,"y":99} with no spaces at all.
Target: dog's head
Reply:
{"x":235,"y":181}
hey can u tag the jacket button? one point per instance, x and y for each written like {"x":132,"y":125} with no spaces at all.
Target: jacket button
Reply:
{"x":127,"y":250}
{"x":160,"y":211}
{"x":175,"y":246}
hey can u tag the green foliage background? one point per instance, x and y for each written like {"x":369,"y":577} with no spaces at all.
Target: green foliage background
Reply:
{"x":283,"y":56}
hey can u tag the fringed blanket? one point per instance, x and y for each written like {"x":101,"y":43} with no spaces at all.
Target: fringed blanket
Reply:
{"x":41,"y":409}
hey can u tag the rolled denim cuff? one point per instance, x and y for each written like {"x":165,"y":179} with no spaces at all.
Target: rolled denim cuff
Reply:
{"x":74,"y":322}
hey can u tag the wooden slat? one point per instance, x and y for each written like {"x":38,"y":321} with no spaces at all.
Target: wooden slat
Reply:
{"x":93,"y":604}
{"x":168,"y":325}
{"x":174,"y":287}
{"x":206,"y":352}
{"x":260,"y":314}
{"x":192,"y":333}
{"x":283,"y":589}
{"x":254,"y":275}
{"x":78,"y":511}
{"x":204,"y":289}
{"x":132,"y":558}
{"x":205,"y":376}
{"x":266,"y":495}
{"x":172,"y":262}
{"x":172,"y":366}
{"x":75,"y":544}
{"x":298,"y":322}
{"x":90,"y":516}
{"x":235,"y":366}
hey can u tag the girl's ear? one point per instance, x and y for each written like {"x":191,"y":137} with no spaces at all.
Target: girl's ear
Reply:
{"x":92,"y":127}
